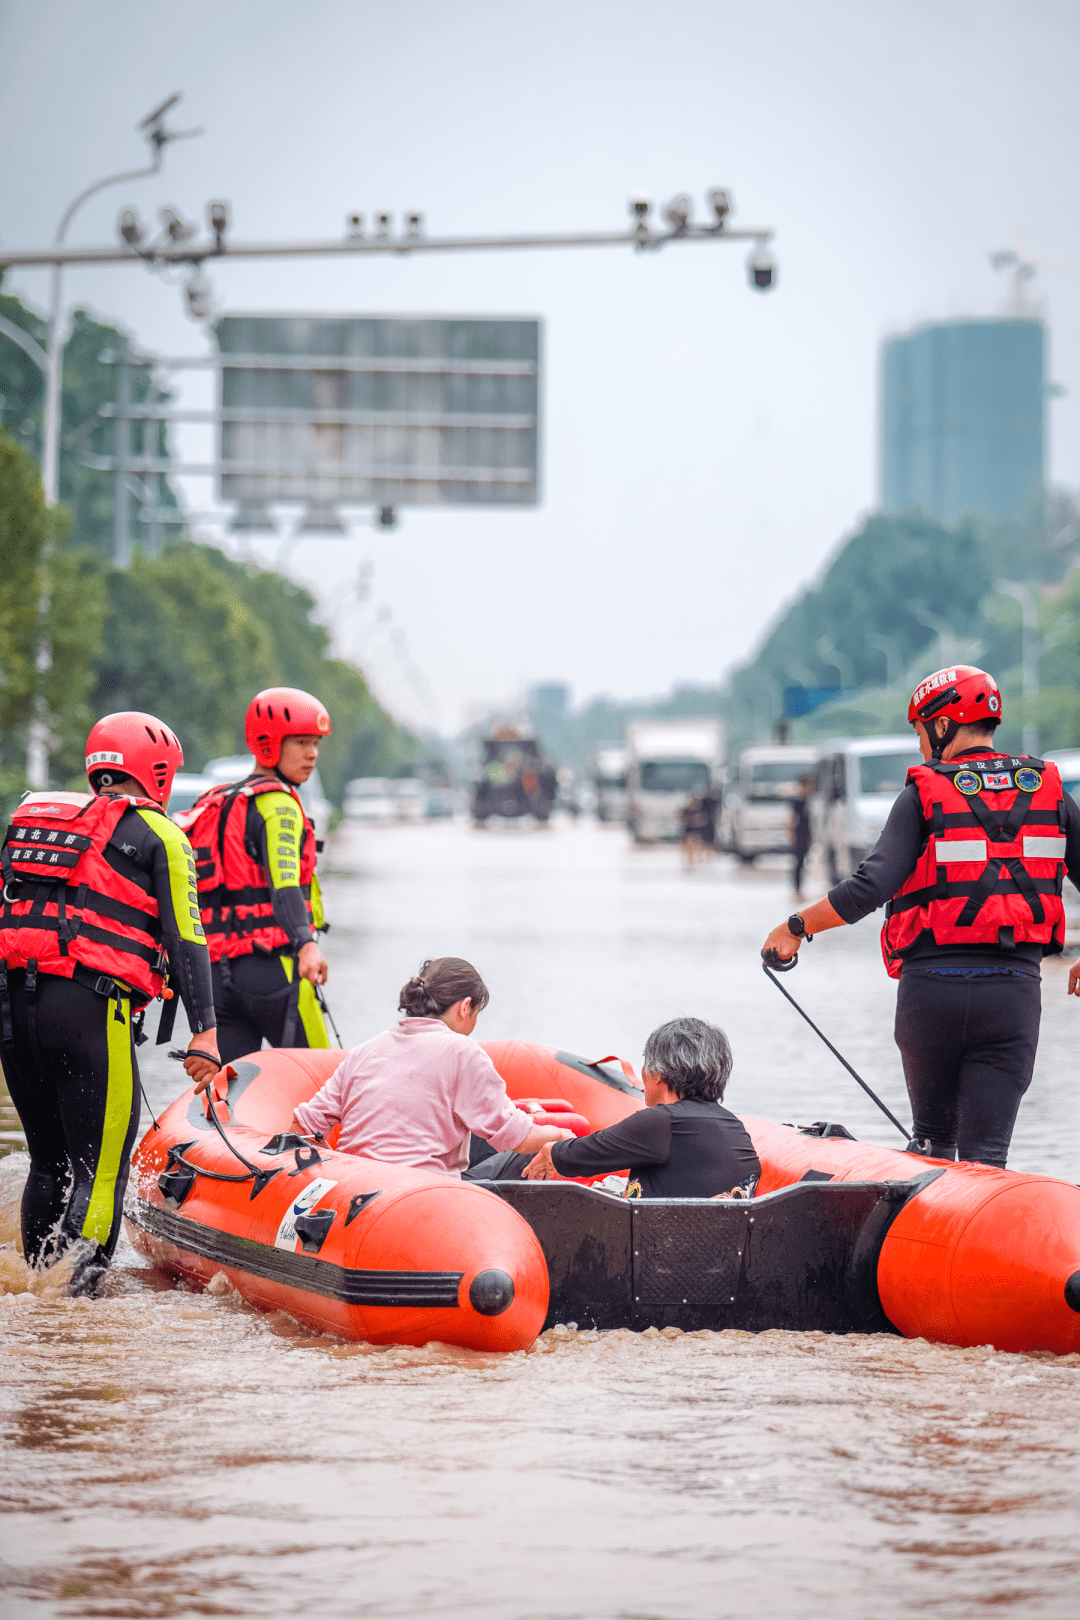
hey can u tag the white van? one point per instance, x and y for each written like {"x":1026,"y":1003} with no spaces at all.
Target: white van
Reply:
{"x":858,"y":782}
{"x":610,"y":764}
{"x":668,"y":763}
{"x":756,"y":818}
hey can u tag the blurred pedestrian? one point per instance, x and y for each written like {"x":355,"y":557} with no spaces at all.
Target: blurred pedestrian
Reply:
{"x":693,"y":830}
{"x":801,"y":832}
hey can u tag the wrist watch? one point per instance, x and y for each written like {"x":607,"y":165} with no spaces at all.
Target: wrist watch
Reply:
{"x":796,"y":926}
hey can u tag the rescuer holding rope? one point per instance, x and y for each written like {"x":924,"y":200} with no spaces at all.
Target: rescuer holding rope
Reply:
{"x":99,"y":916}
{"x":255,"y":855}
{"x":969,"y":867}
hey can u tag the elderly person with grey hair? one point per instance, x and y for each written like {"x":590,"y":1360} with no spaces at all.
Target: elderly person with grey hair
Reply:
{"x":682,"y":1144}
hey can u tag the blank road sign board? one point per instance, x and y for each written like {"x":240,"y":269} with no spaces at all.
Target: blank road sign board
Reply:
{"x":383,"y":410}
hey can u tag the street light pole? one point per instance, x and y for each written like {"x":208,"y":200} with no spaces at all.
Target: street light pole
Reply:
{"x":152,"y":127}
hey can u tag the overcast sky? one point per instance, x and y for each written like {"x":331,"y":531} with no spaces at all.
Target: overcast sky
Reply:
{"x":705,"y":447}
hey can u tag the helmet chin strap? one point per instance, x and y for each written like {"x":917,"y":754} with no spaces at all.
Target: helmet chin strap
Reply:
{"x":938,"y":744}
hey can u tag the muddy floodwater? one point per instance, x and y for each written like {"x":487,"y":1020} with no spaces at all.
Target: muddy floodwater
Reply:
{"x":168,"y":1453}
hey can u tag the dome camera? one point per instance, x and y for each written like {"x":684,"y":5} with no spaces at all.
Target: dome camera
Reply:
{"x":761,"y":268}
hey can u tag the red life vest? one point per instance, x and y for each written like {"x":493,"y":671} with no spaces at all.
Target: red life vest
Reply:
{"x":992,"y":867}
{"x":234,"y":889}
{"x":64,"y":905}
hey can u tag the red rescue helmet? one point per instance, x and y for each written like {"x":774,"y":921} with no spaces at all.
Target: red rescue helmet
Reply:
{"x":280,"y":712}
{"x":137,"y":745}
{"x":965,"y":695}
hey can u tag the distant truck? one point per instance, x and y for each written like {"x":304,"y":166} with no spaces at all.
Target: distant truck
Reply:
{"x":514,"y":779}
{"x":668,"y":763}
{"x":758,"y":797}
{"x":859,"y":779}
{"x":610,"y":762}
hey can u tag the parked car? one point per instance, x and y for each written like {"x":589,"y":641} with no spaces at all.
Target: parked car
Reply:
{"x":370,"y":799}
{"x":441,"y":804}
{"x":668,"y":763}
{"x":187,"y":787}
{"x":859,"y":779}
{"x":234,"y":767}
{"x":610,"y":763}
{"x":758,"y":795}
{"x":410,"y":799}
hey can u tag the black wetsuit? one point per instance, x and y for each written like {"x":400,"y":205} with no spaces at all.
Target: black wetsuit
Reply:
{"x":71,"y":1069}
{"x":967,"y":1016}
{"x":688,"y":1149}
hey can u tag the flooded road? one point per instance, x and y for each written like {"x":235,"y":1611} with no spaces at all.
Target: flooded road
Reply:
{"x":169,"y":1454}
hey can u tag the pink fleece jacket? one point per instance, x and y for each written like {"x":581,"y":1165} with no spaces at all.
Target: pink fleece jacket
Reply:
{"x":412,"y":1096}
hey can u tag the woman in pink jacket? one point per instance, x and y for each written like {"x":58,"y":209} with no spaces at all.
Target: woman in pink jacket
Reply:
{"x":416,"y":1093}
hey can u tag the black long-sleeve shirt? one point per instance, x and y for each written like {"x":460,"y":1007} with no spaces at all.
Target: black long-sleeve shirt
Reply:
{"x":891,"y":862}
{"x":150,"y":851}
{"x":688,"y":1149}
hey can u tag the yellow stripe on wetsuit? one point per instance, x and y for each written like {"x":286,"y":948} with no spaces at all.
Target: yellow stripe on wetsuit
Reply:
{"x":310,"y":1012}
{"x":284,"y":829}
{"x":101,"y":1209}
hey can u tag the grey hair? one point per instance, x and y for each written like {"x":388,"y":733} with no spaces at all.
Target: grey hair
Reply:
{"x":690,"y":1056}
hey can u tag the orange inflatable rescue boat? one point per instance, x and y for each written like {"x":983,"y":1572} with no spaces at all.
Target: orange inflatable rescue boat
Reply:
{"x":840,"y":1237}
{"x":969,"y":1254}
{"x":346,"y":1245}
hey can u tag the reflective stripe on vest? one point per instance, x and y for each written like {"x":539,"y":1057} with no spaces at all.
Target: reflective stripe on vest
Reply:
{"x":64,"y":904}
{"x":235,"y":897}
{"x":985,"y":875}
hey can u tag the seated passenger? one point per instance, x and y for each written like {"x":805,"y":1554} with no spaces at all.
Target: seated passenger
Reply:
{"x":413,"y":1094}
{"x":682,"y":1144}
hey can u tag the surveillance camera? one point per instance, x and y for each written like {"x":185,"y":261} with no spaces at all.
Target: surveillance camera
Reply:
{"x":640,"y":207}
{"x":200,"y":297}
{"x":355,"y":222}
{"x":387,"y":519}
{"x":414,"y":224}
{"x":678,"y":211}
{"x":382,"y":220}
{"x":130,"y":227}
{"x":219,"y":217}
{"x":719,"y":201}
{"x":178,"y":228}
{"x":761,"y":268}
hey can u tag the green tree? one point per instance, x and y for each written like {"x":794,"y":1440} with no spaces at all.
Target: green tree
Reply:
{"x":52,"y":599}
{"x":180,"y":644}
{"x":192,"y":636}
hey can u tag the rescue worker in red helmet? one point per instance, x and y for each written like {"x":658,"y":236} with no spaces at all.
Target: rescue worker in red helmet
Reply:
{"x":99,"y":916}
{"x":969,"y":867}
{"x":255,"y":855}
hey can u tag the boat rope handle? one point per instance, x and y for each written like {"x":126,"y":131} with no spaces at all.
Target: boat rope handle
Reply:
{"x":769,"y":974}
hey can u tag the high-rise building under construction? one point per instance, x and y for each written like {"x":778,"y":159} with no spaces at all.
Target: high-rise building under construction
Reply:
{"x":963,"y":414}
